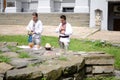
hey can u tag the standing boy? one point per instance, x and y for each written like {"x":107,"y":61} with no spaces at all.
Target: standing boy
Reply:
{"x":65,"y":30}
{"x":35,"y":29}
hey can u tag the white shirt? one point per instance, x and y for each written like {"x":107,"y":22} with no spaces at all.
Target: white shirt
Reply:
{"x":68,"y":32}
{"x":38,"y":27}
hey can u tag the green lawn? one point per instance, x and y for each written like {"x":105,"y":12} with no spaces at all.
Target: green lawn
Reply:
{"x":75,"y":45}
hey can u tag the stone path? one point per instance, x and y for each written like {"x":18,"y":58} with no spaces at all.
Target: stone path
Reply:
{"x":78,"y":32}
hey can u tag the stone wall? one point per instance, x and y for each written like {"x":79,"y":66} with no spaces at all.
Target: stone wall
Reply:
{"x":76,"y":19}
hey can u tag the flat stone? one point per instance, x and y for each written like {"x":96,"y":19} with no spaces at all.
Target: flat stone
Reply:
{"x":117,"y":74}
{"x":116,"y":45}
{"x":5,"y":49}
{"x":5,"y":67}
{"x":1,"y":75}
{"x":36,"y":53}
{"x":69,"y":78}
{"x":72,"y":65}
{"x":19,"y":63}
{"x":94,"y":59}
{"x":51,"y":72}
{"x":2,"y":44}
{"x":88,"y":69}
{"x":35,"y":60}
{"x":103,"y":69}
{"x":12,"y":44}
{"x":30,"y":73}
{"x":10,"y":54}
{"x":1,"y":78}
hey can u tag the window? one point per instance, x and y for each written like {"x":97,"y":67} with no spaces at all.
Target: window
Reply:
{"x":117,"y":8}
{"x":10,"y":4}
{"x":68,"y":9}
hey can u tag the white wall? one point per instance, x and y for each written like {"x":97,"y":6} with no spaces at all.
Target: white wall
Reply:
{"x":25,"y":6}
{"x":44,"y":6}
{"x":33,"y":6}
{"x":102,"y":5}
{"x":57,"y":6}
{"x":18,"y":6}
{"x":82,"y":6}
{"x":52,"y":5}
{"x":10,"y":10}
{"x":68,"y":1}
{"x":67,"y":4}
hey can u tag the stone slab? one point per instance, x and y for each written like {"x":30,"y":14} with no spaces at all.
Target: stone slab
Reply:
{"x":19,"y":63}
{"x":5,"y":67}
{"x":102,"y":69}
{"x":31,"y":73}
{"x":88,"y":69}
{"x":10,"y":54}
{"x":117,"y":74}
{"x":1,"y":78}
{"x":98,"y":61}
{"x":51,"y":72}
{"x":98,"y":58}
{"x":12,"y":44}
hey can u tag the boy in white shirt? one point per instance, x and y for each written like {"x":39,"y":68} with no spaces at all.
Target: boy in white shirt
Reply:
{"x":65,"y":30}
{"x":35,"y":29}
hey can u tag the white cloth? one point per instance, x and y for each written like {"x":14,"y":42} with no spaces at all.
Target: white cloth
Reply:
{"x":38,"y":27}
{"x":68,"y":32}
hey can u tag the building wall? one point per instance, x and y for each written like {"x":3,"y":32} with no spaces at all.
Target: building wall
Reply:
{"x":11,"y":9}
{"x":52,"y":5}
{"x":103,"y":6}
{"x":68,"y":1}
{"x":44,"y":6}
{"x":25,"y":6}
{"x":18,"y":6}
{"x":57,"y":6}
{"x":82,"y":6}
{"x":33,"y":6}
{"x":0,"y":5}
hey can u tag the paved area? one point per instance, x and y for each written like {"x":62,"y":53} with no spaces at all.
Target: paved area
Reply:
{"x":78,"y":32}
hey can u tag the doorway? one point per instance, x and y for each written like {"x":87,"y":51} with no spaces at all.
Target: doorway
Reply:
{"x":114,"y":16}
{"x":116,"y":25}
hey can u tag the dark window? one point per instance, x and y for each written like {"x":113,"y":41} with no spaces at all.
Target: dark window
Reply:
{"x":68,"y":9}
{"x":10,"y":4}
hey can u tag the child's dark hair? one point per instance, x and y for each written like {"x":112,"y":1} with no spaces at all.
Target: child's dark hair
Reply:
{"x":63,"y":17}
{"x":35,"y":14}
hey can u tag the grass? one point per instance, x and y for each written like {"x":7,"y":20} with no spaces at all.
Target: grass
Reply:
{"x":75,"y":45}
{"x":1,"y":52}
{"x":102,"y":78}
{"x":4,"y":59}
{"x":24,"y":55}
{"x":62,"y":58}
{"x":14,"y":49}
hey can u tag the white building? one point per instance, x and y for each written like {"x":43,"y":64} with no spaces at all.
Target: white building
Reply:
{"x":104,"y":14}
